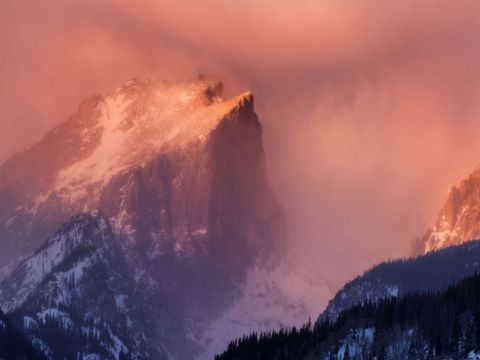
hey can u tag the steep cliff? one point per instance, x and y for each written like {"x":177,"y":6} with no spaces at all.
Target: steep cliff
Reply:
{"x":176,"y":168}
{"x":458,"y":220}
{"x":179,"y":174}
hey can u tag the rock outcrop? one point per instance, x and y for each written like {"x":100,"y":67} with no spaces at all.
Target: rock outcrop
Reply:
{"x":179,"y":174}
{"x":458,"y":220}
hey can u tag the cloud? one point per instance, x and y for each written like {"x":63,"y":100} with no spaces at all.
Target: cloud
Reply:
{"x":370,"y":108}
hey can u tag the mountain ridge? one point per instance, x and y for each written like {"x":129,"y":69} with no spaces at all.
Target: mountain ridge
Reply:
{"x":422,"y":325}
{"x":429,"y":272}
{"x":75,"y":296}
{"x":459,"y":219}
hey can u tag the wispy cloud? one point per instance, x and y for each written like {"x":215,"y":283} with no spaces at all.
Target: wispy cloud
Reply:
{"x":370,"y":107}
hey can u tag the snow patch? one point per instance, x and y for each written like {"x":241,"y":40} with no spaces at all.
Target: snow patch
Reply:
{"x":62,"y":317}
{"x":29,"y":323}
{"x":392,"y":290}
{"x":120,"y":303}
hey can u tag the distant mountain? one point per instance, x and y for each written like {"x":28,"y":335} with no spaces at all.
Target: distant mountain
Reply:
{"x":76,"y":298}
{"x":430,"y":272}
{"x":458,"y":220}
{"x":13,"y":344}
{"x":421,"y":325}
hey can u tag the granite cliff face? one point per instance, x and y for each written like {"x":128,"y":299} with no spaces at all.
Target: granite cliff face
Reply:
{"x":458,"y":220}
{"x":175,"y":168}
{"x":178,"y":174}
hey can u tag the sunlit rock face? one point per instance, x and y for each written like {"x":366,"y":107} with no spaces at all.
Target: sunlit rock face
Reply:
{"x":459,"y":219}
{"x":179,"y":174}
{"x":176,"y":168}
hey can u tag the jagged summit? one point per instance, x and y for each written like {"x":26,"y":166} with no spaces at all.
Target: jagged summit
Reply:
{"x":126,"y":127}
{"x":139,"y":119}
{"x":459,"y":219}
{"x":71,"y":169}
{"x":427,"y":272}
{"x":84,"y":231}
{"x":179,"y":174}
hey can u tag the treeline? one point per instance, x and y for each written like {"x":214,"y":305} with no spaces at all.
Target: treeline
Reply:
{"x":67,"y":340}
{"x":421,"y":325}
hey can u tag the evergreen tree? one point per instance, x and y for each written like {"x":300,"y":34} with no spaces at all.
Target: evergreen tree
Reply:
{"x":346,"y":355}
{"x":443,"y":327}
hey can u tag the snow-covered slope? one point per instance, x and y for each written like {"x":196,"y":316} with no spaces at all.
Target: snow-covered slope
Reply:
{"x":459,"y":219}
{"x":442,"y":324}
{"x":82,"y":232}
{"x":75,"y":297}
{"x":432,"y":271}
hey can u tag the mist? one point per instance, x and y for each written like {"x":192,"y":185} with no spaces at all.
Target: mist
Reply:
{"x":370,"y":109}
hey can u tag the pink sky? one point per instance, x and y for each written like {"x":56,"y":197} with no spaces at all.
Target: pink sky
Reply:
{"x":371,"y":108}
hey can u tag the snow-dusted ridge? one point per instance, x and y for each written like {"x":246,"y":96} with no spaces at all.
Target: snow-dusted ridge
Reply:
{"x":72,"y":235}
{"x":78,"y":283}
{"x":139,"y":120}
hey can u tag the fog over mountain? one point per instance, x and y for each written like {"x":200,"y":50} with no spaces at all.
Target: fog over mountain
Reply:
{"x":370,"y":110}
{"x":168,"y":240}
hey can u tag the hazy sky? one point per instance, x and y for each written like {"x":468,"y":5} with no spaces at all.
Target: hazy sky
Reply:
{"x":370,"y":108}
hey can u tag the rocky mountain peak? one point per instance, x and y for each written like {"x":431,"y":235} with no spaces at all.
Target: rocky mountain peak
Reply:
{"x":141,"y":126}
{"x":458,"y":220}
{"x":179,"y":173}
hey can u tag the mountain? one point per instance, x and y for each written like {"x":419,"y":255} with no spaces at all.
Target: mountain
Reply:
{"x":74,"y":297}
{"x":459,"y":219}
{"x":175,"y":168}
{"x":13,"y":345}
{"x":179,"y":176}
{"x":421,"y":325}
{"x":430,"y":272}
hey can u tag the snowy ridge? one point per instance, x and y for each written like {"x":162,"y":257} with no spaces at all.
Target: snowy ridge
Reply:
{"x":429,"y":272}
{"x":78,"y":283}
{"x":56,"y":249}
{"x":360,"y":292}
